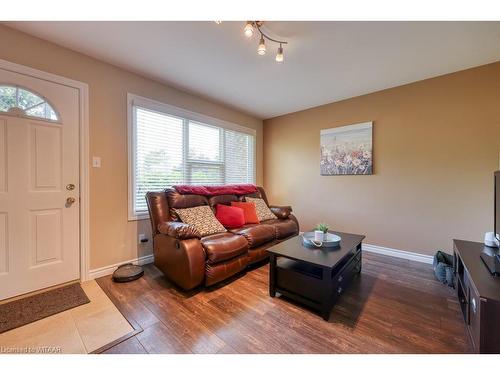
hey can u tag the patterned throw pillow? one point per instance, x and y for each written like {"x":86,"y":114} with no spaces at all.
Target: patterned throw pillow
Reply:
{"x":263,"y":212}
{"x":202,"y":218}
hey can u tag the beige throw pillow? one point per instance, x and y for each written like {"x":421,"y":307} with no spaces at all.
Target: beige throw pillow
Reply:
{"x":263,"y":212}
{"x":202,"y":218}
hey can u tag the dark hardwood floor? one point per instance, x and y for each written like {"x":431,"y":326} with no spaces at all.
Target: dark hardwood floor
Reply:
{"x":395,"y":306}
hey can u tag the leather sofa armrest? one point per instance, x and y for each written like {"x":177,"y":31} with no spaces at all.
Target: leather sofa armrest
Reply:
{"x":281,"y":212}
{"x":178,"y":230}
{"x":182,"y":261}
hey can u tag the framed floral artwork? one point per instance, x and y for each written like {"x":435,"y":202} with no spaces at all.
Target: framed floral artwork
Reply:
{"x":347,"y":150}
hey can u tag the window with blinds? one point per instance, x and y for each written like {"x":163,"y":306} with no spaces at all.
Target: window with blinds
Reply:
{"x":168,"y":149}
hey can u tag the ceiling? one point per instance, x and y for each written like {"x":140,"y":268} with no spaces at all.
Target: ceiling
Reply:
{"x":324,"y":61}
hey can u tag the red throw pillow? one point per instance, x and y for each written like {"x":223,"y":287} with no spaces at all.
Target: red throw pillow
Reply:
{"x":230,"y":217}
{"x":250,"y":211}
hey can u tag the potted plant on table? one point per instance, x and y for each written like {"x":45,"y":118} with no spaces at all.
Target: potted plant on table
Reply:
{"x":320,"y":232}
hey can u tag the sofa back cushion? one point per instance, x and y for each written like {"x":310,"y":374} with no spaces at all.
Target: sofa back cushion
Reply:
{"x":248,"y":210}
{"x":229,"y":216}
{"x":177,"y":200}
{"x":251,"y":195}
{"x":202,"y":218}
{"x":263,"y":211}
{"x":222,"y":199}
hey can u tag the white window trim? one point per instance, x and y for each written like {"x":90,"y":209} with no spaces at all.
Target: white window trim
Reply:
{"x":153,"y":105}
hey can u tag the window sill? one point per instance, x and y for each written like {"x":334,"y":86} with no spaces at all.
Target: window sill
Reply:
{"x":138,"y":217}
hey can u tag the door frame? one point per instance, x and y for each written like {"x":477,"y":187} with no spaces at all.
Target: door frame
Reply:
{"x":84,"y":136}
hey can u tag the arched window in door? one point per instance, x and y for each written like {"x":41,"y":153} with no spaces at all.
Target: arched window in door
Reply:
{"x":19,"y":101}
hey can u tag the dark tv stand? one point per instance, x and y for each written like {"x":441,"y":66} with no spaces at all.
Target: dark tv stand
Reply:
{"x":479,"y":296}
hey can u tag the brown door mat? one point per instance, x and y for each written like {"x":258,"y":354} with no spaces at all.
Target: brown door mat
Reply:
{"x":27,"y":310}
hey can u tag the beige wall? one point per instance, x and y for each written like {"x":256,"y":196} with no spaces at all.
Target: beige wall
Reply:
{"x":112,"y":238}
{"x":436,"y":144}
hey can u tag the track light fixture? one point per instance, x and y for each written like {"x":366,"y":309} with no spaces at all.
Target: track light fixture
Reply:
{"x":279,"y":55}
{"x":249,"y":30}
{"x":262,"y":46}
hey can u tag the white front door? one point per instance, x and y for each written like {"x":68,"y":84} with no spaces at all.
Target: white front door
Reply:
{"x":39,"y":184}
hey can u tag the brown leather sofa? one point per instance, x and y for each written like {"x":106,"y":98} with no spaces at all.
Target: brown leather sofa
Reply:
{"x":190,"y":260}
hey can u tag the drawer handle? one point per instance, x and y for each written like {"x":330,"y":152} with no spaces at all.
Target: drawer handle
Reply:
{"x":341,"y":278}
{"x":474,"y":305}
{"x":339,"y":290}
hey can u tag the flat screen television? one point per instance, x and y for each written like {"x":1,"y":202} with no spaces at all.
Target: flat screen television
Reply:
{"x":497,"y":204}
{"x":489,"y":255}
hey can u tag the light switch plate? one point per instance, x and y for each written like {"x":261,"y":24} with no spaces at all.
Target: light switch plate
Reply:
{"x":96,"y":162}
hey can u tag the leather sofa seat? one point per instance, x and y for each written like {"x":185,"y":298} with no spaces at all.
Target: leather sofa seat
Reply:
{"x":282,"y":228}
{"x":256,"y":234}
{"x":223,"y":246}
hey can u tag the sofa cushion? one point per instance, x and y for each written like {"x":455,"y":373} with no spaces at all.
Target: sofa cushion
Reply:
{"x":176,"y":200}
{"x":234,"y":230}
{"x":257,"y":194}
{"x":283,"y":228}
{"x":222,"y":199}
{"x":202,"y":218}
{"x":249,"y":211}
{"x":256,"y":235}
{"x":230,"y":217}
{"x":223,"y":246}
{"x":263,"y":211}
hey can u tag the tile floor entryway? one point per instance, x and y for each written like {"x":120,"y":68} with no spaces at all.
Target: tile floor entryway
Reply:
{"x":82,"y":329}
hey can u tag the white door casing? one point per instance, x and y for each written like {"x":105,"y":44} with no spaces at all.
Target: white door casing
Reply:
{"x":39,"y":231}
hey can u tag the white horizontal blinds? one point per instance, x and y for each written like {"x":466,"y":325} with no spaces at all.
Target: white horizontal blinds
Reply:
{"x":171,"y":150}
{"x":159,"y":154}
{"x":205,"y":163}
{"x":239,"y":155}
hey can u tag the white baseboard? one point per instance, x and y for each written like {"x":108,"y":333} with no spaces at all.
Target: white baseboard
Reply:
{"x":417,"y":257}
{"x":108,"y":270}
{"x":398,"y":253}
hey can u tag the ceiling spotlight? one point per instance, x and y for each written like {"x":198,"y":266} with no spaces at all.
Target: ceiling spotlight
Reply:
{"x":248,"y":29}
{"x":262,"y":46}
{"x":279,"y":55}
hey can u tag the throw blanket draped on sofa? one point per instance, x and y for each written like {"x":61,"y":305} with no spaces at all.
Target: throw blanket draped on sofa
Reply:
{"x":239,"y":189}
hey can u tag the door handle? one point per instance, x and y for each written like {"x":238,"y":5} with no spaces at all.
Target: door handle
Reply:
{"x":70,"y":187}
{"x":70,"y":201}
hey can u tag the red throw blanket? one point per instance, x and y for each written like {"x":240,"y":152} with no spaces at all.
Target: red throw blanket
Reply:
{"x":239,"y":189}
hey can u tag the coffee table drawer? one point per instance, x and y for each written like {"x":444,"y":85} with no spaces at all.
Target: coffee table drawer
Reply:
{"x":344,"y":277}
{"x":299,"y":278}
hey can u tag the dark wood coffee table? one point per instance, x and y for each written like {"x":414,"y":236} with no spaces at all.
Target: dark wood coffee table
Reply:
{"x":314,"y":277}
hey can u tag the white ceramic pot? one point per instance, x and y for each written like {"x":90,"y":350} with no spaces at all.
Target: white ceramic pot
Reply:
{"x":319,"y":235}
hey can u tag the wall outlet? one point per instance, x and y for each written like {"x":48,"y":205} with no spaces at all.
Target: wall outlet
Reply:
{"x":143,"y":238}
{"x":96,"y":162}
